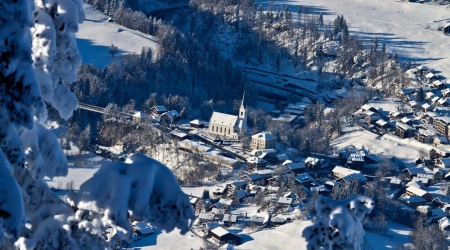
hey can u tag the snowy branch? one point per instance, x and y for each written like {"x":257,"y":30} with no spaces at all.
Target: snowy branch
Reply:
{"x":339,"y":224}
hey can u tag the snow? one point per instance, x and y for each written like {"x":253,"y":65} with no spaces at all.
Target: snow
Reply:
{"x":149,"y":187}
{"x":164,"y":240}
{"x":339,"y":222}
{"x":402,"y":26}
{"x":397,"y":234}
{"x":96,"y":35}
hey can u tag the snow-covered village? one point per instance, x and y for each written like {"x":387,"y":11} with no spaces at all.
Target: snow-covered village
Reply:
{"x":221,"y":124}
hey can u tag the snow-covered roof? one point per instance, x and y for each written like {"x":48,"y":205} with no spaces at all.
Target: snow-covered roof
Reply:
{"x":415,"y":184}
{"x":282,"y":157}
{"x":160,"y":108}
{"x":254,"y":176}
{"x":395,"y":181}
{"x":444,"y":222}
{"x":220,"y":231}
{"x":429,"y":75}
{"x":417,"y":191}
{"x":241,"y":194}
{"x":445,"y":162}
{"x":230,"y":218}
{"x":302,"y":178}
{"x":264,"y":135}
{"x":344,"y":171}
{"x":226,"y":202}
{"x":381,"y":122}
{"x":285,"y":200}
{"x":414,"y":171}
{"x":139,"y":114}
{"x":404,"y":126}
{"x":206,"y":216}
{"x":223,"y":119}
{"x":412,"y":199}
{"x":296,"y":165}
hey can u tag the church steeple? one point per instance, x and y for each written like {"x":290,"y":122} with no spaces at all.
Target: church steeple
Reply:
{"x":242,"y":117}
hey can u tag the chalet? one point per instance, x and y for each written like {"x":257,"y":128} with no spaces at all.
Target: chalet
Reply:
{"x":443,"y":162}
{"x":340,"y":172}
{"x":429,"y":96}
{"x":444,"y":224}
{"x":171,"y":116}
{"x":159,"y":110}
{"x":277,"y":221}
{"x":218,"y":212}
{"x":426,"y":180}
{"x":305,"y":179}
{"x":434,"y":100}
{"x":404,"y":130}
{"x":269,"y":156}
{"x":263,"y":140}
{"x":206,"y":217}
{"x":438,"y":174}
{"x":223,"y":236}
{"x":315,"y":163}
{"x":395,"y":183}
{"x":219,"y":190}
{"x":242,"y":194}
{"x":418,"y":192}
{"x":140,"y":117}
{"x":355,"y":176}
{"x":415,"y":184}
{"x":440,"y":140}
{"x":372,"y":119}
{"x":196,"y":124}
{"x":441,"y":201}
{"x":437,"y":83}
{"x":257,"y":220}
{"x":444,"y":102}
{"x":237,"y":185}
{"x":432,"y":78}
{"x":225,"y":203}
{"x":404,"y":92}
{"x":367,"y":107}
{"x":407,"y":121}
{"x":396,"y":115}
{"x":229,"y":219}
{"x":272,"y":189}
{"x":253,"y":178}
{"x":445,"y":92}
{"x":436,"y":152}
{"x":142,"y":228}
{"x":296,"y":167}
{"x":412,"y":201}
{"x":382,"y":124}
{"x":424,"y":136}
{"x":256,"y":163}
{"x":412,"y":172}
{"x":285,"y":201}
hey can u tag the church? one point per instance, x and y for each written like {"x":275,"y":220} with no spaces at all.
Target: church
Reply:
{"x":229,"y":125}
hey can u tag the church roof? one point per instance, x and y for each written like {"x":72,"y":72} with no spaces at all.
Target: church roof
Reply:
{"x":223,"y":119}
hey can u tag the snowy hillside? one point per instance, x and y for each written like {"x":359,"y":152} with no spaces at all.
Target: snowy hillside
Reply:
{"x":409,"y":29}
{"x":96,"y":35}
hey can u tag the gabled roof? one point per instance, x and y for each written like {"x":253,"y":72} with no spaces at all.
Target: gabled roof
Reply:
{"x":445,"y":161}
{"x":139,"y":114}
{"x":303,"y":178}
{"x":412,"y":199}
{"x":223,"y":119}
{"x":230,"y":218}
{"x":264,"y":135}
{"x":285,"y":200}
{"x":296,"y":165}
{"x":220,"y":231}
{"x":417,"y":191}
{"x":160,"y":108}
{"x":242,"y":194}
{"x":254,"y":176}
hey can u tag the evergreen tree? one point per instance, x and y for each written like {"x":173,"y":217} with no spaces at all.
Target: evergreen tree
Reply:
{"x":420,"y":96}
{"x":84,"y":141}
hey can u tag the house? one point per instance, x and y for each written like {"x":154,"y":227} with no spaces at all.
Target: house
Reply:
{"x":219,"y":190}
{"x":229,"y":219}
{"x":206,"y":217}
{"x":296,"y":167}
{"x":424,"y":136}
{"x":396,"y":115}
{"x":196,"y":124}
{"x":424,"y":210}
{"x":412,"y":201}
{"x":142,"y":228}
{"x":415,"y":184}
{"x":404,"y":130}
{"x":404,"y":92}
{"x":395,"y":183}
{"x":440,"y":140}
{"x":444,"y":224}
{"x":367,"y":107}
{"x":277,"y":221}
{"x":443,"y":162}
{"x":382,"y":124}
{"x":241,"y":194}
{"x":208,"y":226}
{"x":406,"y":120}
{"x":444,"y":102}
{"x":159,"y":110}
{"x":140,"y":117}
{"x":272,"y":189}
{"x":171,"y":116}
{"x":441,"y":201}
{"x":305,"y":179}
{"x":430,"y":77}
{"x":253,"y":178}
{"x":438,"y":174}
{"x":229,"y":125}
{"x":256,"y":163}
{"x":436,"y":83}
{"x":315,"y":163}
{"x":426,"y":107}
{"x":223,"y":236}
{"x":436,"y":152}
{"x":257,"y":220}
{"x":372,"y":119}
{"x":237,"y":185}
{"x":340,"y":172}
{"x":418,"y":192}
{"x":263,"y":140}
{"x":225,"y":203}
{"x":285,"y":201}
{"x":412,"y":172}
{"x":115,"y":238}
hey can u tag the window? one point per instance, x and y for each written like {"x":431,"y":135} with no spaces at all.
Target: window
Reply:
{"x":220,"y":129}
{"x":212,"y":129}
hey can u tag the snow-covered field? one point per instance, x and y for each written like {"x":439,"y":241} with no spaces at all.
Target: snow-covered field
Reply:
{"x":409,"y":29}
{"x":96,"y":35}
{"x":384,"y":146}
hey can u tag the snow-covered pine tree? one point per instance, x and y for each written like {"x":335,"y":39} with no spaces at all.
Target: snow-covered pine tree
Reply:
{"x":38,"y":57}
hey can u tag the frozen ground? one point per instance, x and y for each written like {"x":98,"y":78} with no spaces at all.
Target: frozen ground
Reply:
{"x":397,"y":235}
{"x":172,"y":240}
{"x":403,"y":27}
{"x":96,"y":35}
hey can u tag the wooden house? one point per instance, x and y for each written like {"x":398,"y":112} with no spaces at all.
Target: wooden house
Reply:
{"x":223,"y":236}
{"x":229,"y":219}
{"x":412,"y":201}
{"x":404,"y":130}
{"x":382,"y":124}
{"x":196,"y":124}
{"x":436,"y":153}
{"x":418,"y":192}
{"x":296,"y":167}
{"x":277,"y":221}
{"x":159,"y":110}
{"x":314,"y":163}
{"x":396,"y":115}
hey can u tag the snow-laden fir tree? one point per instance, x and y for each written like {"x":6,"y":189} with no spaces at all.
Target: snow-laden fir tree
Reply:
{"x":339,"y":223}
{"x":38,"y":58}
